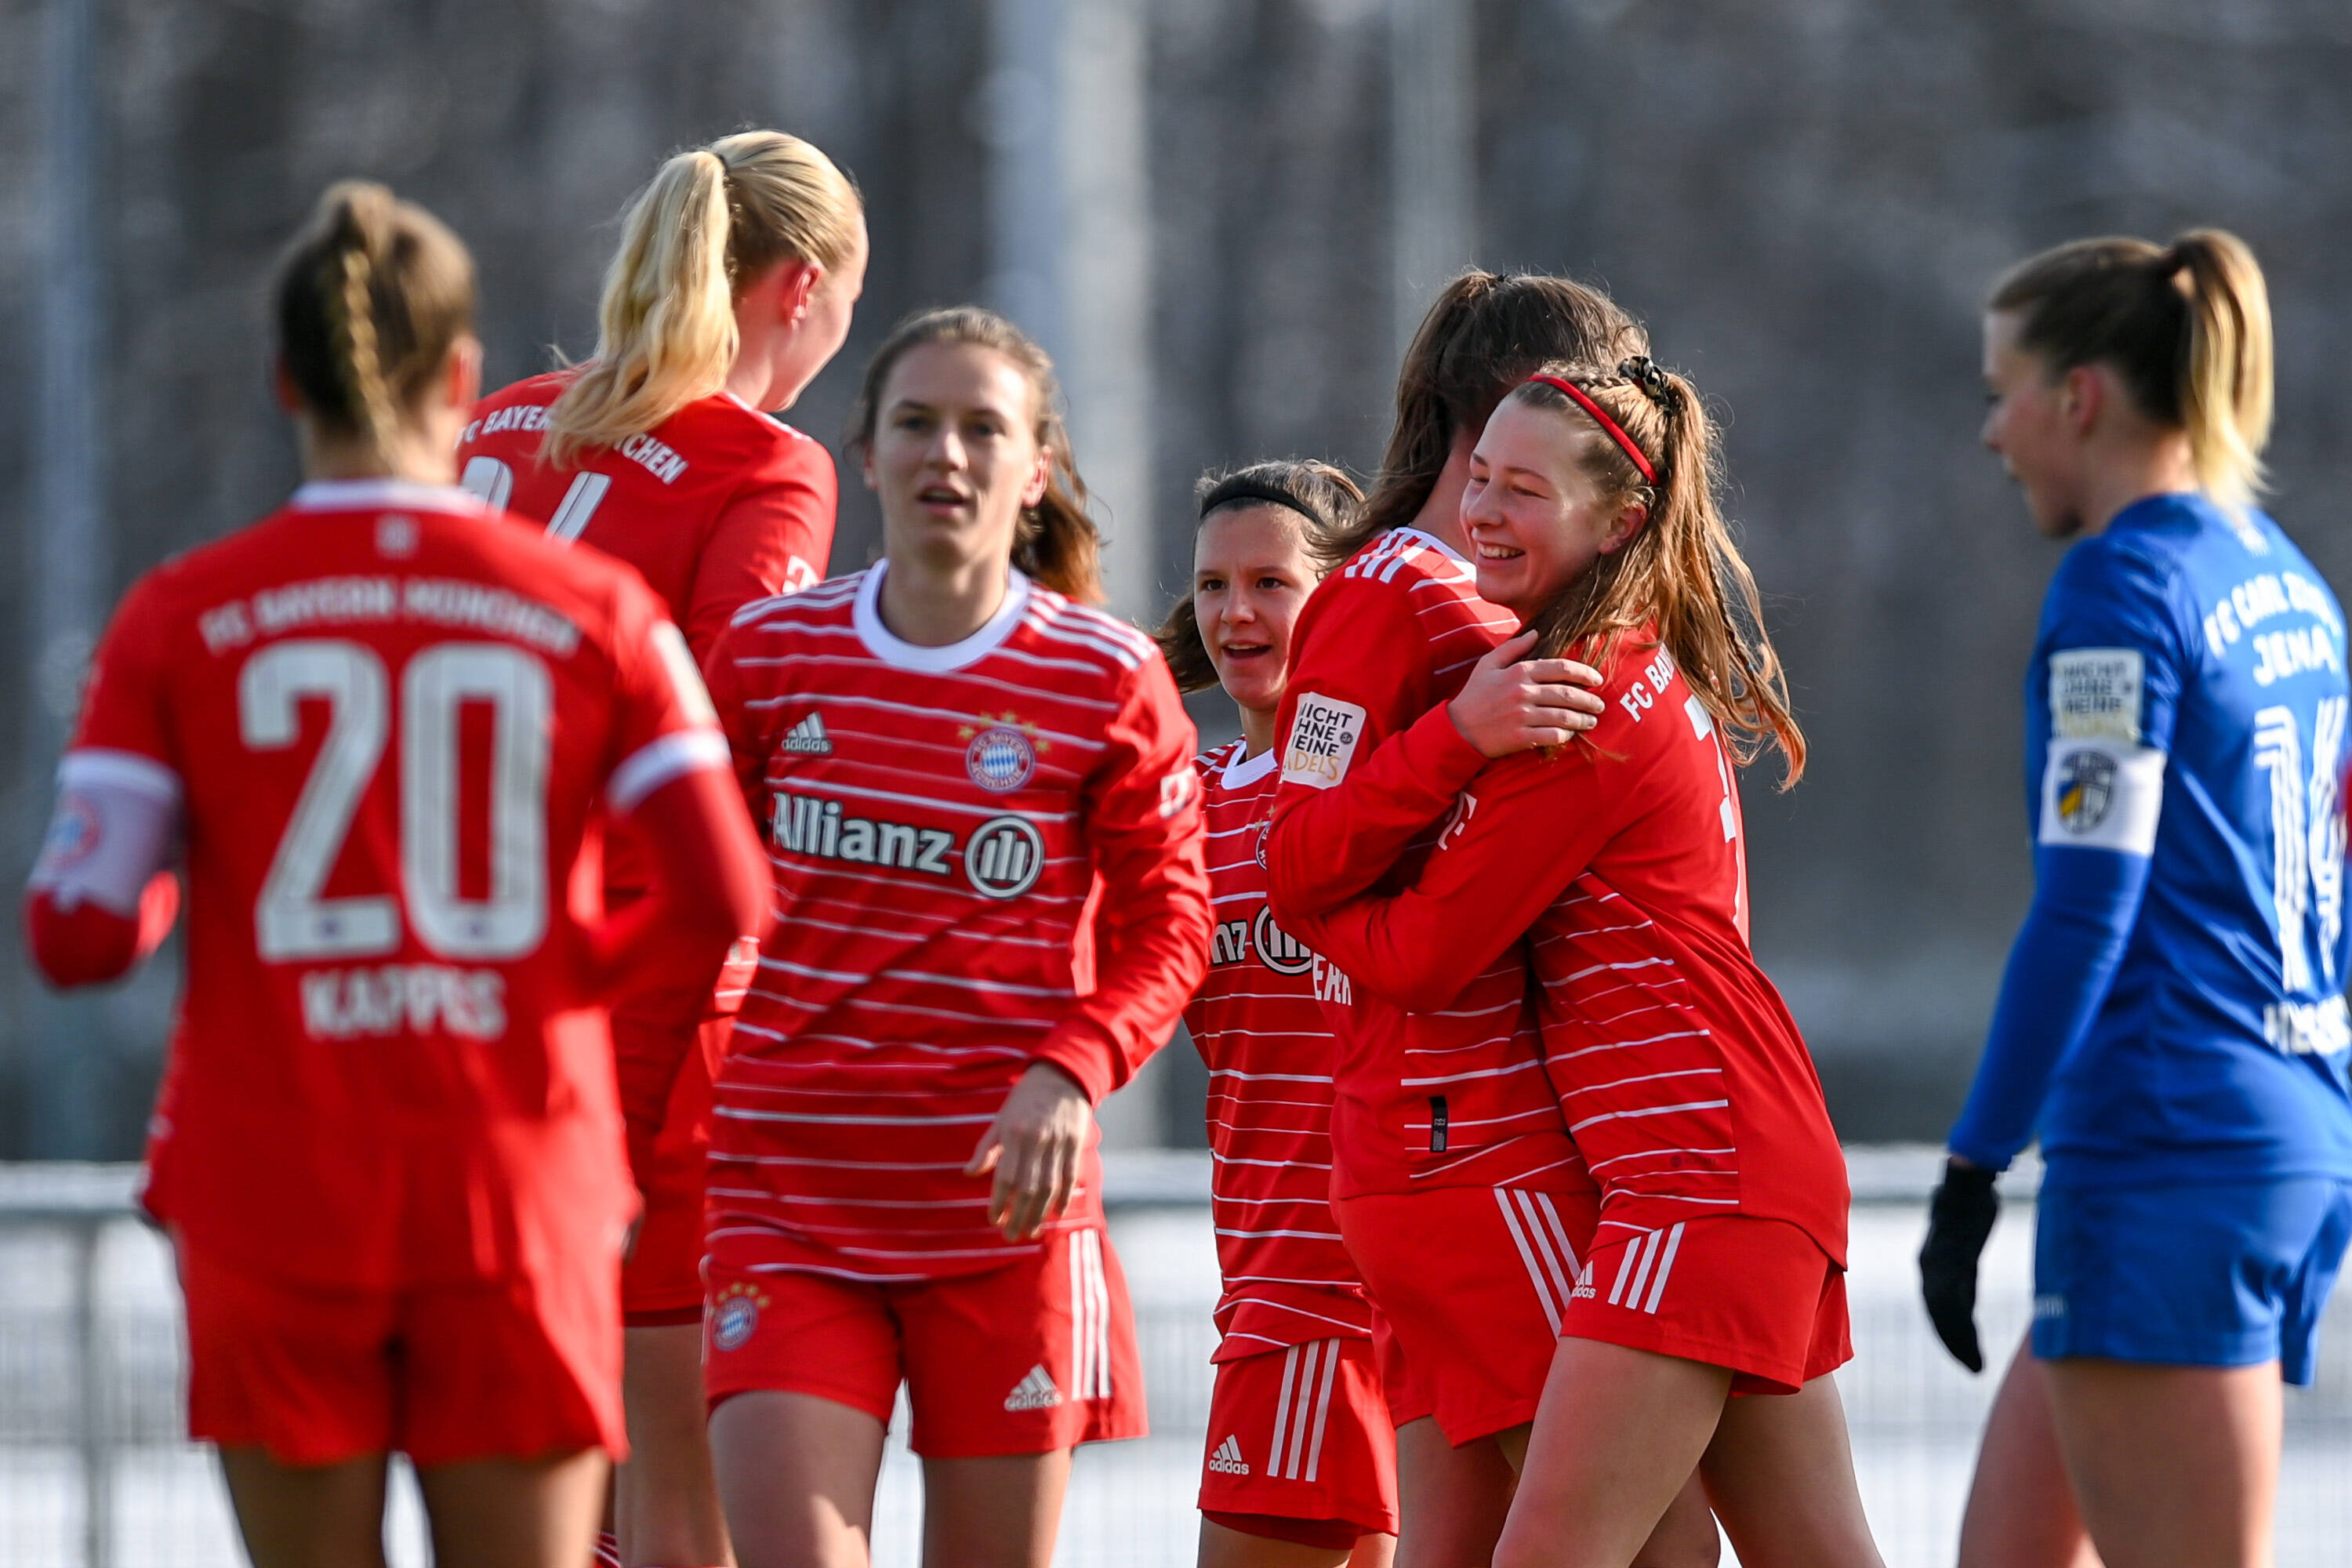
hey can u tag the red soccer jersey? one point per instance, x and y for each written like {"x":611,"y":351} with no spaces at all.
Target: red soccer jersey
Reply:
{"x":1268,"y":1046}
{"x":717,"y":505}
{"x":1450,"y":1099}
{"x":1684,"y":1078}
{"x":985,"y":854}
{"x":390,"y":717}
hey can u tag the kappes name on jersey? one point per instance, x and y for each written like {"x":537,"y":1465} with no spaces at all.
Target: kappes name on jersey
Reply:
{"x":404,"y":998}
{"x":1002,"y":857}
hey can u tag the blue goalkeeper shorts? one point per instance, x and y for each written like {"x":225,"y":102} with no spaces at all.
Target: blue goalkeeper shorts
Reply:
{"x":2218,"y":1274}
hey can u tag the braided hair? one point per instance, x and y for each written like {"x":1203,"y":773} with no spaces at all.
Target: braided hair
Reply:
{"x":371,"y":296}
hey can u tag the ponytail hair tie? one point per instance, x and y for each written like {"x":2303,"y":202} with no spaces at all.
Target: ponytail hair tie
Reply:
{"x":1646,"y":373}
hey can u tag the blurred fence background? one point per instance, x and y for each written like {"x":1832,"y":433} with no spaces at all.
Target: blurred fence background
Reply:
{"x":90,"y":1370}
{"x":1221,"y":214}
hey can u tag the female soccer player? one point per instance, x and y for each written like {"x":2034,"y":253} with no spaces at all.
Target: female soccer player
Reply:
{"x":985,"y":832}
{"x":1716,"y":1265}
{"x":381,"y":721}
{"x":1301,"y":1462}
{"x":2173,"y":1019}
{"x":738,"y":270}
{"x":1445,"y":1141}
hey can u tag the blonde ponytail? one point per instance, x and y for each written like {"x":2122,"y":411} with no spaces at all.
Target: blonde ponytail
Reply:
{"x":711,"y":222}
{"x":2187,"y":327}
{"x":371,"y":297}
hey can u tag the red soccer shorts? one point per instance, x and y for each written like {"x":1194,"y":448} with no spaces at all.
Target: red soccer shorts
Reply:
{"x":1472,"y":1281}
{"x":1758,"y":1296}
{"x":502,"y":1369}
{"x":1302,"y":1435}
{"x":1408,"y":1399}
{"x":661,"y":1282}
{"x":1034,"y":1357}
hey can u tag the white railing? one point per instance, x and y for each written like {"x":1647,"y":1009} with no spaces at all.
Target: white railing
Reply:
{"x":94,"y":1471}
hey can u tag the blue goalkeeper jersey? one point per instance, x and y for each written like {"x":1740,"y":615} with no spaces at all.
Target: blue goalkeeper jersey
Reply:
{"x":2174,"y":1008}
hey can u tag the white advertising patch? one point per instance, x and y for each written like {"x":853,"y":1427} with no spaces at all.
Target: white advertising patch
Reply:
{"x":2095,"y":694}
{"x":1321,"y":742}
{"x":2099,"y":796}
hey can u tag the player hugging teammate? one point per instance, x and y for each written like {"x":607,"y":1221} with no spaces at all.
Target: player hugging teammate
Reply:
{"x":1529,"y":1213}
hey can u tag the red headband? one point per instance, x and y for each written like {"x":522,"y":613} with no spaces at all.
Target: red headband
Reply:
{"x":1601,"y":418}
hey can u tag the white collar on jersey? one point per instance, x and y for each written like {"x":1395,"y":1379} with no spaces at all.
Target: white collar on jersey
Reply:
{"x":892,"y":649}
{"x":366,"y":495}
{"x":1437,"y":544}
{"x":1243,"y":770}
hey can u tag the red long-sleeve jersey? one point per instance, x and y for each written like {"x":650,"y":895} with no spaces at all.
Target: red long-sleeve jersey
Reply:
{"x":1681,"y":1075}
{"x":1453,"y":1098}
{"x":1261,"y":1029}
{"x":387,"y":724}
{"x":985,"y":854}
{"x":717,"y":506}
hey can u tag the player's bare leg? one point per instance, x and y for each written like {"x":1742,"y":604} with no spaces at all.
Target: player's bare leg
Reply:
{"x":2171,"y":1466}
{"x":666,"y":1497}
{"x":1781,"y":1475}
{"x":1224,"y":1548}
{"x":796,"y":1476}
{"x":1684,"y":1538}
{"x":999,"y":1512}
{"x":2021,"y":1511}
{"x":307,"y":1516}
{"x":1451,"y":1502}
{"x":515,"y":1513}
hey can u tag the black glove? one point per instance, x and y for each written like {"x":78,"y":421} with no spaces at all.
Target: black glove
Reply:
{"x":1959,"y":1217}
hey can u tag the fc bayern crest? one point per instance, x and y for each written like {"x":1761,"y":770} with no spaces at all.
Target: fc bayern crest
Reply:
{"x":736,"y":1317}
{"x":1001,"y":759}
{"x":1263,"y":830}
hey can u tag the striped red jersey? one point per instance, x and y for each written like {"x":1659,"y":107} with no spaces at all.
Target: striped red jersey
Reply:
{"x":985,"y":854}
{"x":1681,"y":1074}
{"x":1263,"y":1033}
{"x":392,"y":722}
{"x":1454,"y":1098}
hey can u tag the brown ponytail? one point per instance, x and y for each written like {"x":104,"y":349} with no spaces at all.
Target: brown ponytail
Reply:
{"x":2187,"y":327}
{"x":1485,"y":334}
{"x":1056,"y":543}
{"x":372,"y":295}
{"x":1320,"y":498}
{"x":1682,"y":570}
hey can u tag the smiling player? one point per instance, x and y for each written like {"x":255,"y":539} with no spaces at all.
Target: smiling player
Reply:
{"x":1301,"y":1465}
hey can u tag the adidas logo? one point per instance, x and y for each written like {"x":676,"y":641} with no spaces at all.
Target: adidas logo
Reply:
{"x":808,"y":738}
{"x":1034,"y":1392}
{"x":1227,"y":1461}
{"x":1583,"y":1284}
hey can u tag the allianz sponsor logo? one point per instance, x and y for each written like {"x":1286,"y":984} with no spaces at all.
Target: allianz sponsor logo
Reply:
{"x":1002,"y":857}
{"x":2308,"y":1028}
{"x":1233,"y":941}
